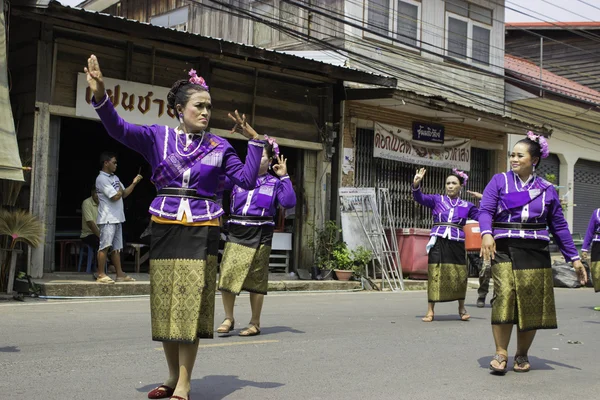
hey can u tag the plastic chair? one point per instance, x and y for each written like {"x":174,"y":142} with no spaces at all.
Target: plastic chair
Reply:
{"x":90,"y":258}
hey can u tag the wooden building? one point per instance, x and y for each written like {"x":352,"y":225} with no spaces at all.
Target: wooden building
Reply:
{"x":288,"y":97}
{"x":447,"y":57}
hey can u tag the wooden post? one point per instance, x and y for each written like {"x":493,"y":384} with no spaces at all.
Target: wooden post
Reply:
{"x":40,"y":257}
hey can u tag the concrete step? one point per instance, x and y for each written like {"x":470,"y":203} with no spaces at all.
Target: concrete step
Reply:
{"x":83,"y":285}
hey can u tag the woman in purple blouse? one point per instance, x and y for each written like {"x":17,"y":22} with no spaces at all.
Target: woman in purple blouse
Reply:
{"x":187,"y":163}
{"x":245,"y":264}
{"x":517,"y":211}
{"x":591,"y":244}
{"x":447,"y":265}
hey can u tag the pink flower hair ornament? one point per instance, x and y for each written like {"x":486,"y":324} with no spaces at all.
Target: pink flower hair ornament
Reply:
{"x":545,"y":151}
{"x":463,"y":175}
{"x":273,"y":143}
{"x":197,"y":80}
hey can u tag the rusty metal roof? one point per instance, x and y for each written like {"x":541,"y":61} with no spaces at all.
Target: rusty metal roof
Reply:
{"x":530,"y":72}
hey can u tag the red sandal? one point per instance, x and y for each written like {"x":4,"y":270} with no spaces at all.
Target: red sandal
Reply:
{"x":161,"y":392}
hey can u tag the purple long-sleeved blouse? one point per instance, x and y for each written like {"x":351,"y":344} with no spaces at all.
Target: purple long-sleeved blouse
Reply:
{"x":157,"y":142}
{"x":545,"y":208}
{"x":446,"y":210}
{"x":593,"y":231}
{"x":262,"y":200}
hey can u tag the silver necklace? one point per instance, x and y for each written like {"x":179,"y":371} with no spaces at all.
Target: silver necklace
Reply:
{"x":450,"y":200}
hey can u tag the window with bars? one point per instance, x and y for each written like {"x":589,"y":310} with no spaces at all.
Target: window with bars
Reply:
{"x":399,"y":20}
{"x":468,"y":31}
{"x":398,"y":176}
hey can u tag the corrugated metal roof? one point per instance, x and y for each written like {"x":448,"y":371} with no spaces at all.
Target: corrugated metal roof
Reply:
{"x":553,"y":25}
{"x":530,"y":72}
{"x":57,"y":5}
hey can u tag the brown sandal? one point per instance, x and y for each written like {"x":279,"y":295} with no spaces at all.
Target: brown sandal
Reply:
{"x":427,"y":318}
{"x":499,"y":358}
{"x":251,"y":330}
{"x":521,"y":364}
{"x":226,"y":327}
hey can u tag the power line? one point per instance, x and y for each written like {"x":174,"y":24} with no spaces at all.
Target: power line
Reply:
{"x":389,"y":67}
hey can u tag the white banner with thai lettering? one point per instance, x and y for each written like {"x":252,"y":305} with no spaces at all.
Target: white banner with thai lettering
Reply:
{"x":137,"y":103}
{"x":395,"y":143}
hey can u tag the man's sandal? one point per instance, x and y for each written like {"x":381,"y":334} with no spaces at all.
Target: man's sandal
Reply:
{"x":227,"y":326}
{"x":427,"y":318}
{"x":499,"y":358}
{"x":251,"y":330}
{"x":521,"y":364}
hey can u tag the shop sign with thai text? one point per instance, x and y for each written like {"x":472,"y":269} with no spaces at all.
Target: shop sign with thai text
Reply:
{"x":395,"y":143}
{"x":137,"y":103}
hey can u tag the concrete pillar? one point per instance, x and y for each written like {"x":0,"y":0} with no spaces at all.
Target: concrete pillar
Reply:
{"x":566,"y":179}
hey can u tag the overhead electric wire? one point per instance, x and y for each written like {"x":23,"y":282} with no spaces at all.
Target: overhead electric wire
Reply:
{"x":437,"y":85}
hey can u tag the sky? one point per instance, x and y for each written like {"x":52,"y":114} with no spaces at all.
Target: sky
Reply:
{"x":537,"y":10}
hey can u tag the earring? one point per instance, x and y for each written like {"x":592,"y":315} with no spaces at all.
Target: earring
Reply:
{"x":181,"y":118}
{"x":534,"y":168}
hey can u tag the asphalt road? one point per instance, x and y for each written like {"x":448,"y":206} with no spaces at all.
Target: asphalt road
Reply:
{"x":313,"y":346}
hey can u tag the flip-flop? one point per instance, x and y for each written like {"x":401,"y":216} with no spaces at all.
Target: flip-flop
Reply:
{"x":597,"y":308}
{"x":464,"y":316}
{"x":126,"y":278}
{"x":104,"y":279}
{"x":427,"y":318}
{"x":500,"y":358}
{"x":519,"y":361}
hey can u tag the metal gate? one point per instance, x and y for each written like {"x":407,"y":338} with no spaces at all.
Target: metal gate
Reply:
{"x":586,"y":193}
{"x":550,"y":166}
{"x":398,"y":176}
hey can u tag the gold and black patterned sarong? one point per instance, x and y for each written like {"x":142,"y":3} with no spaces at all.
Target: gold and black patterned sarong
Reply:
{"x":595,"y":265}
{"x":447,"y":271}
{"x":183,"y":279}
{"x":523,"y":285}
{"x":245,"y":263}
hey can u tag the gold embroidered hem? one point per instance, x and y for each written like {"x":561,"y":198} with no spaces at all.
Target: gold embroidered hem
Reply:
{"x":446,"y":272}
{"x":523,"y":286}
{"x":245,"y":268}
{"x":182,"y":299}
{"x":595,"y":272}
{"x":595,"y":266}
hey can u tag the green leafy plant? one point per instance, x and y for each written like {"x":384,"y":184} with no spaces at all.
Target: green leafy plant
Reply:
{"x":361,"y":257}
{"x":325,"y":241}
{"x":342,"y":258}
{"x":563,"y":201}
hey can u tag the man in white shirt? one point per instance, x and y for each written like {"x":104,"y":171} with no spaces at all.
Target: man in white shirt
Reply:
{"x":111,"y":216}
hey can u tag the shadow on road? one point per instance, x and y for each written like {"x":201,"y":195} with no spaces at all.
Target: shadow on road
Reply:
{"x":9,"y":349}
{"x":217,"y":387}
{"x":536,"y":363}
{"x":589,"y":322}
{"x":448,"y":318}
{"x":269,"y":330}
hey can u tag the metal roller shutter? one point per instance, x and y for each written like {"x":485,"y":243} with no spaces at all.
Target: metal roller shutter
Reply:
{"x":398,"y":176}
{"x":550,"y":165}
{"x":586,"y":193}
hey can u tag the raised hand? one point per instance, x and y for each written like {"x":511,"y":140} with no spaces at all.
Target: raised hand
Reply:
{"x":419,"y":176}
{"x":241,"y":126}
{"x":94,"y":78}
{"x":477,"y":195}
{"x":281,"y":167}
{"x":137,"y":179}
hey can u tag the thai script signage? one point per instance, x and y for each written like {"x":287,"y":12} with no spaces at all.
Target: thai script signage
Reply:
{"x":428,"y":132}
{"x":137,"y":103}
{"x":394,"y":143}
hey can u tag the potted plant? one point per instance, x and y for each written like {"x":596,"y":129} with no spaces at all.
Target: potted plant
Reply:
{"x":15,"y":227}
{"x":361,"y":257}
{"x":325,"y":241}
{"x":343,"y":262}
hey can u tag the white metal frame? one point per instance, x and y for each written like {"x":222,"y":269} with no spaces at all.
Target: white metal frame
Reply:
{"x":470,"y":24}
{"x":392,"y":24}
